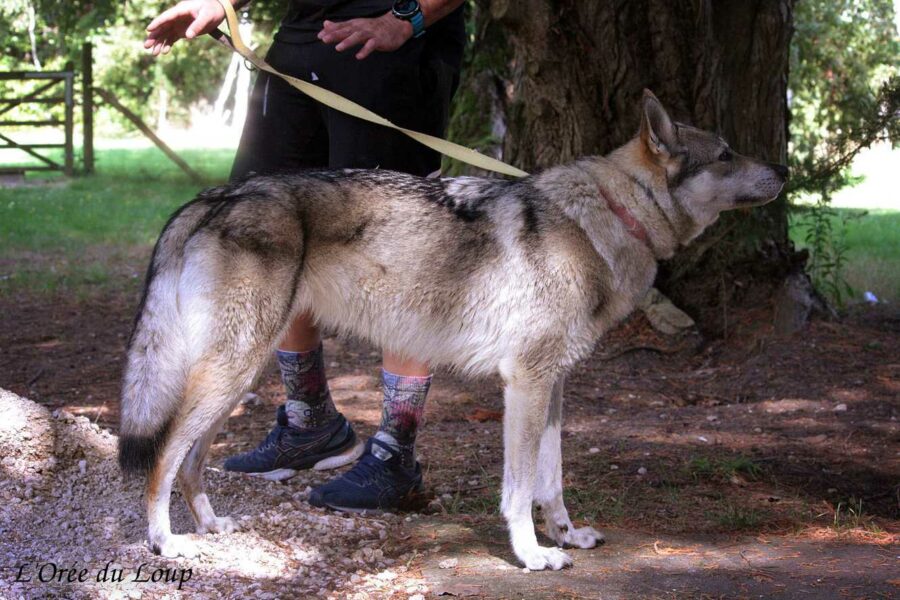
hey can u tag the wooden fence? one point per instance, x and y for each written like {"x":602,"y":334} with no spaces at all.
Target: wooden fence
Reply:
{"x":40,"y":95}
{"x":48,"y":94}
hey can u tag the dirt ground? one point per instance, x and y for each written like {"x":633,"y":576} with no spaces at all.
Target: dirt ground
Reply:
{"x":752,"y":466}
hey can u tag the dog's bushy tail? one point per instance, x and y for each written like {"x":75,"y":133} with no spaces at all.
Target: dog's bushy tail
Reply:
{"x":159,"y":357}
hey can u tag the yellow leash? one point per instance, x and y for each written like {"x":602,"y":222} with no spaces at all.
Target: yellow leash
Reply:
{"x":338,"y":102}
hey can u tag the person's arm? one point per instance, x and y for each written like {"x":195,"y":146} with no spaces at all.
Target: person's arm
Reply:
{"x":187,"y":19}
{"x":385,"y":33}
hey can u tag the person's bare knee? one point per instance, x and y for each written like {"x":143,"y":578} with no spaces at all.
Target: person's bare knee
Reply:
{"x":401,"y":365}
{"x":302,"y":335}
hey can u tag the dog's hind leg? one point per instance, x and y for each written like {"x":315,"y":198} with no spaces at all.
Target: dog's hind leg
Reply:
{"x":190,"y":481}
{"x":201,"y":409}
{"x":159,"y":494}
{"x":213,"y":389}
{"x":525,"y":417}
{"x":548,"y":492}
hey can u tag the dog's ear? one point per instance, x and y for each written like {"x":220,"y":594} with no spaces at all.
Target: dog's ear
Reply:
{"x":657,"y":130}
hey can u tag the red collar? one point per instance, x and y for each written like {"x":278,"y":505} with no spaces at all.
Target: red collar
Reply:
{"x":632,"y":225}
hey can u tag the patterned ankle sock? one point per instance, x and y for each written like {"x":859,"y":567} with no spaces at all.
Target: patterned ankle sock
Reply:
{"x":308,"y":398}
{"x":404,"y":405}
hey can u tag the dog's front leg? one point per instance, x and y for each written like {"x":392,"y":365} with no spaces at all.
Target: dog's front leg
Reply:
{"x":549,"y":491}
{"x":524,"y":420}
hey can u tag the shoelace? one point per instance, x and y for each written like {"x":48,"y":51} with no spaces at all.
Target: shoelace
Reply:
{"x":271,"y":439}
{"x":369,"y":468}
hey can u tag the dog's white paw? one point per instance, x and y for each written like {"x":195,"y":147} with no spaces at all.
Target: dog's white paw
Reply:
{"x":567,"y":536}
{"x":538,"y":558}
{"x":217,"y":525}
{"x":174,"y":546}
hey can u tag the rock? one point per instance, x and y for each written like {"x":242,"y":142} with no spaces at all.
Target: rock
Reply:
{"x":251,"y":399}
{"x":664,"y":316}
{"x":795,"y":301}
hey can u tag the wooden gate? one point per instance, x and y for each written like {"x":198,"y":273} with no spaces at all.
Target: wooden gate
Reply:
{"x":47,"y":93}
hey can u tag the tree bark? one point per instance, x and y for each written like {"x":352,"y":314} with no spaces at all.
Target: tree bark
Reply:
{"x":575,"y":72}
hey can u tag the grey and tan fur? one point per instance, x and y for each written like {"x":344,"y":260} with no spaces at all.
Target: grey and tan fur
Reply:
{"x":485,"y":276}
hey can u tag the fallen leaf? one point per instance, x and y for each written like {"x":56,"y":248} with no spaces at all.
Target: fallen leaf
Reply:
{"x":480,"y":415}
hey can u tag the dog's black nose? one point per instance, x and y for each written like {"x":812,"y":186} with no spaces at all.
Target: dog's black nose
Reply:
{"x":782,"y":170}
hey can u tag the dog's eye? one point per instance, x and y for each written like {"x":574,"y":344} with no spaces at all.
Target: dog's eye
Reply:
{"x":726,"y":155}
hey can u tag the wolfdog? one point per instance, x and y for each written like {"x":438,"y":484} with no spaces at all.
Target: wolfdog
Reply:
{"x":519,"y":278}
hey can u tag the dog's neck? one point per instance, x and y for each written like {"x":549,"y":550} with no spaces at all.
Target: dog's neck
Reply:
{"x":632,"y":225}
{"x":635,"y":200}
{"x":669,"y":221}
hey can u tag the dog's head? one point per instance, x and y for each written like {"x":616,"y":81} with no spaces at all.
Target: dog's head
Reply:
{"x":703,"y":174}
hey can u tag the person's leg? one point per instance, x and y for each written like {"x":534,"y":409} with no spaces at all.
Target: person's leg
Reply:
{"x":402,"y":87}
{"x":302,"y":366}
{"x":405,"y":382}
{"x":285,"y":131}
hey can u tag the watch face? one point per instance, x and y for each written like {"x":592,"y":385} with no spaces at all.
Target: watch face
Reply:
{"x":405,"y":8}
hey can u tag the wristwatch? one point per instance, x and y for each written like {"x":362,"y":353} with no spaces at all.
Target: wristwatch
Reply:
{"x":409,"y":10}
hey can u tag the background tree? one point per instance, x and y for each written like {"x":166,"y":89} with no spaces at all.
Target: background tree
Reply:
{"x":191,"y":73}
{"x":845,"y":95}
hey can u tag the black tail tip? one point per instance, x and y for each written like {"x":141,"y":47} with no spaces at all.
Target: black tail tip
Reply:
{"x":138,"y":454}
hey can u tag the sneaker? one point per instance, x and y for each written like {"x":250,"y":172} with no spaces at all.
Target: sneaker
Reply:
{"x":377,"y":482}
{"x":288,"y":449}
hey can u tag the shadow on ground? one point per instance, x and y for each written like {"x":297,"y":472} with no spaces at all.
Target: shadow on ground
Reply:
{"x":639,"y":565}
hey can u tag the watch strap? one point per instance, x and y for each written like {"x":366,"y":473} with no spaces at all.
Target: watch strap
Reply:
{"x":418,"y":24}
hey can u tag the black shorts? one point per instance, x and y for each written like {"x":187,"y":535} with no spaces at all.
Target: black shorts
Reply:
{"x":286,"y":130}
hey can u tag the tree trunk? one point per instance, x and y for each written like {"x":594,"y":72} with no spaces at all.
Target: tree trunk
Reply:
{"x":575,"y":72}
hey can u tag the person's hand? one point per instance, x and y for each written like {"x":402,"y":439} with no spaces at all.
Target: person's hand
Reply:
{"x":385,"y":34}
{"x":187,"y":19}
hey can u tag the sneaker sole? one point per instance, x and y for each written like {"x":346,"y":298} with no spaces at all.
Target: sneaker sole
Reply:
{"x":346,"y":457}
{"x":375,"y":512}
{"x":413,"y":502}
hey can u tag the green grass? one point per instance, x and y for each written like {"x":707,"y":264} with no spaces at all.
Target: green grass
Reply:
{"x":61,"y":234}
{"x":872,"y":239}
{"x":722,"y":469}
{"x":737,"y":518}
{"x":594,"y":506}
{"x":871,"y":209}
{"x":850,"y":515}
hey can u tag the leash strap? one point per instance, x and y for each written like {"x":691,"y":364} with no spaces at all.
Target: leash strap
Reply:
{"x":338,"y":102}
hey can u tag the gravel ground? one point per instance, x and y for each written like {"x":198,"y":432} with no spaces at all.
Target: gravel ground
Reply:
{"x":68,"y":520}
